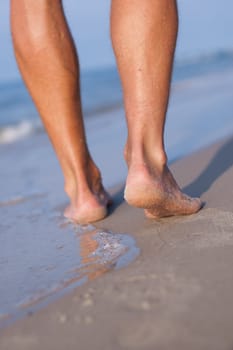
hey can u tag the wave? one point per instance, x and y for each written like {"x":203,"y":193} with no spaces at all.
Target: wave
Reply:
{"x":189,"y":67}
{"x":12,"y":133}
{"x":219,"y":55}
{"x":101,"y":92}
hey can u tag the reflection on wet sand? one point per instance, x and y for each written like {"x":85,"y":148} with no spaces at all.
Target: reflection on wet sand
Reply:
{"x":99,"y":252}
{"x":88,"y":248}
{"x":93,"y":252}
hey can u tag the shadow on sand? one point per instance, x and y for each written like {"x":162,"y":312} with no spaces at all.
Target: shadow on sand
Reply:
{"x":118,"y":199}
{"x":221,"y":162}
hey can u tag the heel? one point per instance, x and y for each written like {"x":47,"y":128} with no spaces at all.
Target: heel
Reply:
{"x":140,"y":197}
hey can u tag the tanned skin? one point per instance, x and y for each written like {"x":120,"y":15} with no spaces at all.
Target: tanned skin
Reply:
{"x":144,"y":37}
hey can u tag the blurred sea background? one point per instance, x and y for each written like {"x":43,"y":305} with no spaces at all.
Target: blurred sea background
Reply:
{"x":204,"y":51}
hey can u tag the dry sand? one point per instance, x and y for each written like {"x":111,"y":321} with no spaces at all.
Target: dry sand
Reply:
{"x":176,"y":295}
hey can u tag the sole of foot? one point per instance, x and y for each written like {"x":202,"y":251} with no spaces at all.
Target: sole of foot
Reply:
{"x":89,"y":212}
{"x":87,"y":216}
{"x":159,"y":203}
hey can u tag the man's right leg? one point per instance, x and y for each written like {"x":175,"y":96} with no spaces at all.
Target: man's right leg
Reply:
{"x":49,"y":65}
{"x":144,"y":39}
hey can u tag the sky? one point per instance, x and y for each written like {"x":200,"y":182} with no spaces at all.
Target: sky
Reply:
{"x":205,"y":26}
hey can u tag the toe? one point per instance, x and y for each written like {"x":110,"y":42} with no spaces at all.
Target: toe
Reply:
{"x":195,"y":204}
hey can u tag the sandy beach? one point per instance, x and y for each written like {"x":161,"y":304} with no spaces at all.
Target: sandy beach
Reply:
{"x":176,"y":294}
{"x":126,"y":282}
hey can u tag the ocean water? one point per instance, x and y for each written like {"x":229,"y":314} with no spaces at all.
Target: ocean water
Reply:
{"x":101,"y":92}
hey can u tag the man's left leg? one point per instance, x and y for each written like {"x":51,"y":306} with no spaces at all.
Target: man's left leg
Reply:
{"x":49,"y":65}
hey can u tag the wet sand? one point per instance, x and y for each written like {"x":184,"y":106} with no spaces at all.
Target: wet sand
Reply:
{"x":176,"y":295}
{"x":42,"y":255}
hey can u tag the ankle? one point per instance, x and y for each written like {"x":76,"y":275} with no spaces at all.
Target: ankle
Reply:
{"x":83,"y":181}
{"x":145,"y":156}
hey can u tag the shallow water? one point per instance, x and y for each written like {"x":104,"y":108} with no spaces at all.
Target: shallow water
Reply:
{"x":44,"y":256}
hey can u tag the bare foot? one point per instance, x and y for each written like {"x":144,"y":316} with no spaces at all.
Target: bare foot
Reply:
{"x":89,"y":204}
{"x":158,"y":193}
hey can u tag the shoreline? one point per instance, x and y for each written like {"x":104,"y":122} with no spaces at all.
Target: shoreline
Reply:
{"x":179,"y":256}
{"x":177,"y":293}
